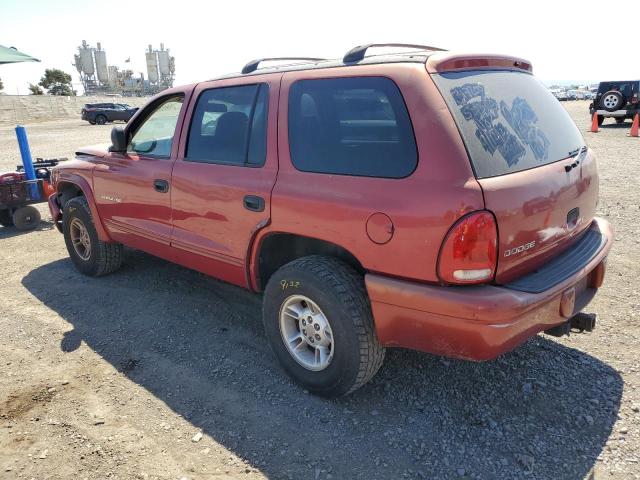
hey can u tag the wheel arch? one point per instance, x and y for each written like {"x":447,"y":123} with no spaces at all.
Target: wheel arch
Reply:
{"x":275,"y":249}
{"x":73,"y":186}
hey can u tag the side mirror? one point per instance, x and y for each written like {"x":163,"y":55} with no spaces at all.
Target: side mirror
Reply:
{"x":118,"y":140}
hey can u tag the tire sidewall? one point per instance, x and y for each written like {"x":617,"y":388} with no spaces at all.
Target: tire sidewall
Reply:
{"x":77,"y":209}
{"x":618,"y":106}
{"x":101,"y":120}
{"x":20,"y":215}
{"x":343,"y":369}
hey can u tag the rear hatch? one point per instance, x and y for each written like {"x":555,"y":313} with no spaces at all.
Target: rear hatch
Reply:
{"x":537,"y":176}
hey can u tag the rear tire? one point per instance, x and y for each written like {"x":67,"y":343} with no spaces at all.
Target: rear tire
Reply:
{"x":92,"y":122}
{"x":337,"y":295}
{"x":600,"y":120}
{"x":620,"y":120}
{"x":90,"y":255}
{"x":6,"y":220}
{"x":101,"y":119}
{"x":26,"y":218}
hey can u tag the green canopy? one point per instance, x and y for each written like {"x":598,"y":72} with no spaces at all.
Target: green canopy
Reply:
{"x":11,"y":55}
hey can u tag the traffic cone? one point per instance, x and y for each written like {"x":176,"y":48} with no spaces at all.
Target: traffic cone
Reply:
{"x":594,"y":122}
{"x":634,"y":126}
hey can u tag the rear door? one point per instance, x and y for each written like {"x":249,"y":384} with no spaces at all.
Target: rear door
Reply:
{"x":223,"y":179}
{"x":537,"y":176}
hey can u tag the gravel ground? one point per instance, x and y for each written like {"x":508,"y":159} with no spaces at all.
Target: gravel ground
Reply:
{"x":159,"y":372}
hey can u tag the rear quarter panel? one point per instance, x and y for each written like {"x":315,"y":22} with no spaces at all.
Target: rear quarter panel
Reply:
{"x":422,"y":206}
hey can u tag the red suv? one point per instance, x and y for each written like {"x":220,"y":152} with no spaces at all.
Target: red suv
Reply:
{"x":429,"y":200}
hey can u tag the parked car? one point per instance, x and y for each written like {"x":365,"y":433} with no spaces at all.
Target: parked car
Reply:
{"x":430,"y":200}
{"x":102,"y":113}
{"x":576,"y":94}
{"x":616,"y":99}
{"x":560,"y":94}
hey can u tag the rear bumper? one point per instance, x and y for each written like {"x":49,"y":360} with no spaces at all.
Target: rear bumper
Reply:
{"x":628,"y":112}
{"x":479,"y":323}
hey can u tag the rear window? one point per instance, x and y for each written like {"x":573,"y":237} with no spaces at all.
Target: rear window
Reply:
{"x":351,"y":126}
{"x":509,"y":121}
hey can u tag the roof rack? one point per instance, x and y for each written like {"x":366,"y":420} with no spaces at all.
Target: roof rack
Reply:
{"x":357,"y":53}
{"x":252,"y":66}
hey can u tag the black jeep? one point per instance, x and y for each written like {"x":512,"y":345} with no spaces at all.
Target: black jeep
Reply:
{"x":616,"y":99}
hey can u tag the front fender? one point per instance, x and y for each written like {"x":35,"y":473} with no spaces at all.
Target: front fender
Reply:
{"x":72,"y":179}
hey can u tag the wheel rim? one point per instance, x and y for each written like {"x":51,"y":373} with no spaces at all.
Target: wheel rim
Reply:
{"x":610,"y":101}
{"x":80,"y":239}
{"x":306,"y":333}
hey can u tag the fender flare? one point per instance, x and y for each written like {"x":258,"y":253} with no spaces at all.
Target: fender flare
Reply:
{"x":82,"y":184}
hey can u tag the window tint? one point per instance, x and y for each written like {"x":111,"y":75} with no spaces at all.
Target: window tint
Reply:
{"x":351,"y":126}
{"x":155,"y":135}
{"x":229,"y":126}
{"x":509,"y":121}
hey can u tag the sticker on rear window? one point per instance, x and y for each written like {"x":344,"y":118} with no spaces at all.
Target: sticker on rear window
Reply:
{"x":522,"y":118}
{"x":493,"y":134}
{"x":509,"y":121}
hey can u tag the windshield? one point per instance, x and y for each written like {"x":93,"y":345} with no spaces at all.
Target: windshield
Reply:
{"x":509,"y":121}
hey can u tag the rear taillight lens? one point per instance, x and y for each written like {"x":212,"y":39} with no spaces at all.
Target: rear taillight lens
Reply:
{"x":469,"y":252}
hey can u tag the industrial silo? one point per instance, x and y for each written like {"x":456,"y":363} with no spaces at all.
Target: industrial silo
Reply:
{"x":101,"y":65}
{"x":86,"y":58}
{"x":163,"y":61}
{"x":152,"y":65}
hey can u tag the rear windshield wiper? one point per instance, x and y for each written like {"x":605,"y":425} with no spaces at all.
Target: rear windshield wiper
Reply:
{"x":575,"y":152}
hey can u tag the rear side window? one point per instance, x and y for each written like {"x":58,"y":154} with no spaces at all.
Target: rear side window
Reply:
{"x":229,"y":126}
{"x":509,"y":121}
{"x":351,"y":126}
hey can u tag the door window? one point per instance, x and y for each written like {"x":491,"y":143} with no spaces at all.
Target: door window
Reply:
{"x":229,"y":126}
{"x":153,"y":138}
{"x":351,"y":126}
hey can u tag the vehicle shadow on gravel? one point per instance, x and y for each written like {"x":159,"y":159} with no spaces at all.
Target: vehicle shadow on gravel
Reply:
{"x":9,"y":232}
{"x":615,"y":125}
{"x":197,"y":344}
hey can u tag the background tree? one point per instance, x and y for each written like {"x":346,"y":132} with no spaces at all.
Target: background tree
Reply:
{"x":35,"y":89}
{"x":56,"y":82}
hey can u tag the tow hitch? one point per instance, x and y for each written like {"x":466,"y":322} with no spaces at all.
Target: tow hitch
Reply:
{"x":580,"y":322}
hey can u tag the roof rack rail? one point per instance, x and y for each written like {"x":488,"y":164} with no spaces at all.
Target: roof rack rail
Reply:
{"x":357,"y":53}
{"x":252,"y":66}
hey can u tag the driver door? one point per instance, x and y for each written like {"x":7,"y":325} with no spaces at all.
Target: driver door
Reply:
{"x":133,"y":190}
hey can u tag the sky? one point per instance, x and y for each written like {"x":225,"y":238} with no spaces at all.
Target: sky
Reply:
{"x":211,"y":38}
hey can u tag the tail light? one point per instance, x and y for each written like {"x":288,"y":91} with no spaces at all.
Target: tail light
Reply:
{"x":634,"y":99}
{"x":469,"y":252}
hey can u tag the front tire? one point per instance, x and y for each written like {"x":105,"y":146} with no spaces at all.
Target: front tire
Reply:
{"x":90,"y":255}
{"x":315,"y":303}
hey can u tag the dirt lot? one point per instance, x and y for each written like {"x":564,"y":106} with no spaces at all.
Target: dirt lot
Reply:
{"x":115,"y":378}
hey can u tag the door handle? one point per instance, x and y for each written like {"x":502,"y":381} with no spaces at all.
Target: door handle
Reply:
{"x":161,"y":186}
{"x":253,"y":203}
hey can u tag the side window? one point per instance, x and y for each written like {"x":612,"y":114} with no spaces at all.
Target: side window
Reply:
{"x":351,"y":126}
{"x":155,"y":135}
{"x":229,"y":126}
